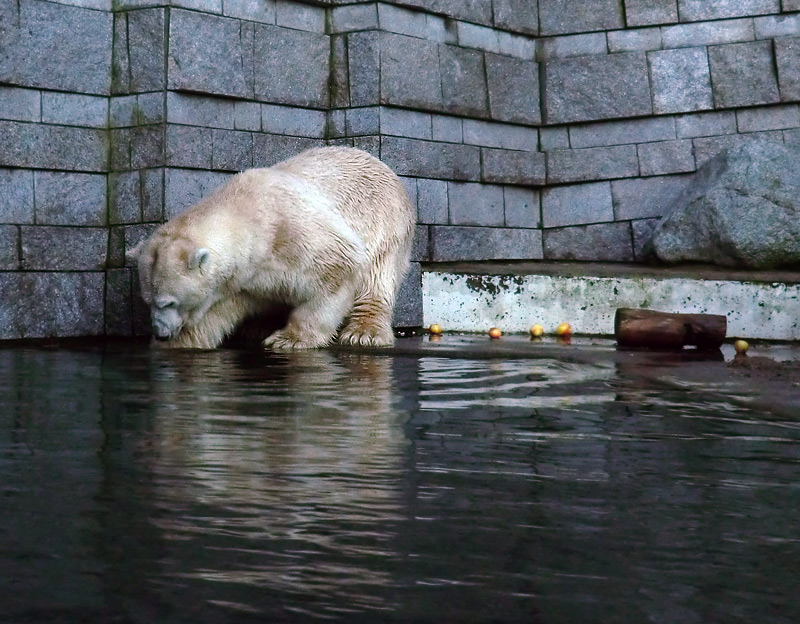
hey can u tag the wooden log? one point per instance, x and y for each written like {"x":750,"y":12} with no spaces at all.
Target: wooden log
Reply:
{"x":662,"y":330}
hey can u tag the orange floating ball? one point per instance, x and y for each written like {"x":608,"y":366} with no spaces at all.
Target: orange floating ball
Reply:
{"x":435,"y":329}
{"x":564,"y":329}
{"x":495,"y":333}
{"x":537,"y":331}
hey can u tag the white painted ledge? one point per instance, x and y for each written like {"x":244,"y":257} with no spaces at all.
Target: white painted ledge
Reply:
{"x":474,"y":302}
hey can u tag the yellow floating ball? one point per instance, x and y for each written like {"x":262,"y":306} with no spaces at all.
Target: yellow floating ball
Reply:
{"x":564,"y":329}
{"x":495,"y":333}
{"x":537,"y":331}
{"x":435,"y":329}
{"x":741,"y":346}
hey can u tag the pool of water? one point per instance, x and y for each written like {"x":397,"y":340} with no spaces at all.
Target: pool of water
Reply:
{"x":458,"y":481}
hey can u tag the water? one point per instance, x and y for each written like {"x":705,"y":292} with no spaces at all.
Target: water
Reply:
{"x":451,"y":482}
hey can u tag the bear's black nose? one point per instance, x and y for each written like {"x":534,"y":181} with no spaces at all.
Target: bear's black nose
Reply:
{"x":162,"y":338}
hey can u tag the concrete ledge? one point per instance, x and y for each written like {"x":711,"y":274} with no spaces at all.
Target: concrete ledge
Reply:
{"x":513,"y":296}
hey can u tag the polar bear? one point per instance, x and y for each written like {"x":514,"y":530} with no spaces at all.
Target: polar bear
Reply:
{"x":327,"y":233}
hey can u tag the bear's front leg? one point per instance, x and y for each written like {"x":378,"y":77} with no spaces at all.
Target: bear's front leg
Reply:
{"x":314,"y":323}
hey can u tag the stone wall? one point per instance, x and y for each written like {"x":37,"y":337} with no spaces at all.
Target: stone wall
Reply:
{"x":557,"y":129}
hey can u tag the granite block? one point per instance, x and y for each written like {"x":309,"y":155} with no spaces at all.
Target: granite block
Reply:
{"x":72,"y":109}
{"x":455,"y":243}
{"x":269,"y":149}
{"x":247,"y":116}
{"x":363,"y":121}
{"x":475,"y":36}
{"x":513,"y":87}
{"x":369,"y":67}
{"x":594,"y":163}
{"x":300,"y":16}
{"x":79,"y":311}
{"x":775,"y":26}
{"x":787,"y":55}
{"x":743,"y":74}
{"x":432,"y":202}
{"x":46,"y":248}
{"x":513,"y":167}
{"x":518,"y":46}
{"x":147,"y":146}
{"x":402,"y":21}
{"x":463,"y":81}
{"x":152,"y":183}
{"x":681,"y":80}
{"x":489,"y":134}
{"x":20,"y":104}
{"x":475,"y":204}
{"x":408,"y":304}
{"x":607,"y":133}
{"x":189,"y":146}
{"x":430,"y":159}
{"x":9,"y":247}
{"x":118,"y":302}
{"x":448,"y":129}
{"x":232,"y":151}
{"x":211,"y":54}
{"x":707,"y":33}
{"x":147,"y":42}
{"x":200,"y":110}
{"x":255,"y":10}
{"x":596,"y":87}
{"x":354,"y":17}
{"x":558,"y":17}
{"x":603,"y":242}
{"x":517,"y":15}
{"x":35,"y":51}
{"x":421,"y":245}
{"x":553,"y":138}
{"x":705,"y":124}
{"x":699,"y":10}
{"x":119,"y":149}
{"x":301,"y":82}
{"x":634,"y":40}
{"x":642,"y":198}
{"x":405,"y":123}
{"x":120,"y":57}
{"x":649,"y":12}
{"x":300,"y":122}
{"x":184,"y":188}
{"x":125,"y":198}
{"x":666,"y":157}
{"x":572,"y":45}
{"x":522,"y":208}
{"x":577,"y":204}
{"x":772,"y":118}
{"x":790,"y":5}
{"x":52,"y":147}
{"x":410,"y":184}
{"x":477,"y":11}
{"x":340,"y":70}
{"x":70,"y":198}
{"x":16,"y":196}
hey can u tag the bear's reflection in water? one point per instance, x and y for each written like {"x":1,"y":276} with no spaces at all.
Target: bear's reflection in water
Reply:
{"x":304,"y":465}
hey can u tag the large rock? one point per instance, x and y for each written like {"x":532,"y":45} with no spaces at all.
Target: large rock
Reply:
{"x":742,"y":209}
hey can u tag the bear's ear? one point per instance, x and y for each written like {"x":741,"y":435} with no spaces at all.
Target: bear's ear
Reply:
{"x":132,"y":255}
{"x":200,"y":258}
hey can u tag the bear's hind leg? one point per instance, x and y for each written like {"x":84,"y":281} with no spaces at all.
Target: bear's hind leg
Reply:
{"x":313,"y":324}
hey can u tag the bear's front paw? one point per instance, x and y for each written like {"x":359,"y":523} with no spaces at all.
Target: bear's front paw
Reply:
{"x":283,"y":340}
{"x":367,"y":336}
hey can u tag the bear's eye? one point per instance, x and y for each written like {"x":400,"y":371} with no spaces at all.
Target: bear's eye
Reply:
{"x":165,"y":304}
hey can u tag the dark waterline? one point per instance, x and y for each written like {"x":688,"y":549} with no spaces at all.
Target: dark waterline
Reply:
{"x":469,"y":484}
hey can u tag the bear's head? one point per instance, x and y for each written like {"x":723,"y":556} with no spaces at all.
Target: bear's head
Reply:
{"x":176,"y":281}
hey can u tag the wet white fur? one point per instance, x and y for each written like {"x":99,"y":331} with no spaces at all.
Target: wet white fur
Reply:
{"x":327,"y":232}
